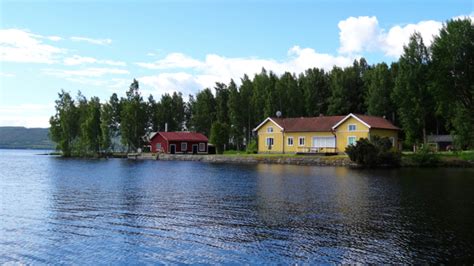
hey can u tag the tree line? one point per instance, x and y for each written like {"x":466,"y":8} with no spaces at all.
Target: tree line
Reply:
{"x":428,"y":90}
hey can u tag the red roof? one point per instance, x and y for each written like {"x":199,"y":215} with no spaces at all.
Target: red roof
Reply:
{"x":308,"y":124}
{"x":377,"y":122}
{"x":182,"y":136}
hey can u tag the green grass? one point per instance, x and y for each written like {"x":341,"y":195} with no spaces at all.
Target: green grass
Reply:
{"x":449,"y":155}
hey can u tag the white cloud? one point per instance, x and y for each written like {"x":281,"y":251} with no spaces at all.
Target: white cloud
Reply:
{"x":173,"y":60}
{"x":91,"y":40}
{"x":393,"y":41}
{"x":54,"y":38}
{"x":86,"y":72}
{"x":215,"y":68}
{"x":27,"y":115}
{"x":364,"y":34}
{"x":79,"y":60}
{"x":358,"y":34}
{"x":22,"y":46}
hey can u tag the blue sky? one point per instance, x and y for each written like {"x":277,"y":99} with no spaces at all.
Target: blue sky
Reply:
{"x":98,"y":47}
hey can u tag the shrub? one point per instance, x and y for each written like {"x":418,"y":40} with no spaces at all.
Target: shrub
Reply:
{"x":425,"y":157}
{"x":252,"y":147}
{"x":375,"y":152}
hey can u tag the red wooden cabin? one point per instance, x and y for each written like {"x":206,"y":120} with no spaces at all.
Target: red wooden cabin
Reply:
{"x":178,"y":142}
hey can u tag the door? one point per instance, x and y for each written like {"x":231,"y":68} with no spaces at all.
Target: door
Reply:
{"x":173,"y":148}
{"x":195,"y":148}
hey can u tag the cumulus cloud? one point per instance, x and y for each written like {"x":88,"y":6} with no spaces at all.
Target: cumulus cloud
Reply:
{"x":360,"y":34}
{"x":24,"y":47}
{"x":215,"y":68}
{"x":91,"y":40}
{"x":79,"y":60}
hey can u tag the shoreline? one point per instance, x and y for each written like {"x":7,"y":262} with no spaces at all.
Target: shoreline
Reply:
{"x":293,"y":160}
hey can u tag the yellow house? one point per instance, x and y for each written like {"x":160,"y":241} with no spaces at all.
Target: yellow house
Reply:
{"x":323,"y":134}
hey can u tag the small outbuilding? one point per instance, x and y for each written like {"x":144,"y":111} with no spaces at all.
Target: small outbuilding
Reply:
{"x":179,"y":142}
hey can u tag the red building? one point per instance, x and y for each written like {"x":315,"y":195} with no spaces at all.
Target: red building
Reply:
{"x":178,"y":142}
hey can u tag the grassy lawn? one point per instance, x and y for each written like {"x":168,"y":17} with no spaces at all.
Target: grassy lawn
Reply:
{"x":463,"y":155}
{"x":448,"y":155}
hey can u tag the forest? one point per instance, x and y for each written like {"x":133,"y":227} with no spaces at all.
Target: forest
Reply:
{"x":429,"y":90}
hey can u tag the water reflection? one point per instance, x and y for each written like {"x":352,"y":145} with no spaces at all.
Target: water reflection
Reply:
{"x":118,"y":211}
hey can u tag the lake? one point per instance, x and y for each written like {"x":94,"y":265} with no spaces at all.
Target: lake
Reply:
{"x":78,"y":211}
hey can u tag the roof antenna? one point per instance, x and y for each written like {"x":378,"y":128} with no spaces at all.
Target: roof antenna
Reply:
{"x":278,"y":114}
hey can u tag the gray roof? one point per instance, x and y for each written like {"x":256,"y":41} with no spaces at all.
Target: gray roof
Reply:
{"x":439,"y":138}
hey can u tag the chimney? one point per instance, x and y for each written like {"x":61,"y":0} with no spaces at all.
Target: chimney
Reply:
{"x":166,"y":127}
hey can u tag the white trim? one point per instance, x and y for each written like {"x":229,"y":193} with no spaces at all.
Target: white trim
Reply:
{"x":349,"y":127}
{"x":347,"y":117}
{"x":355,"y":140}
{"x":186,"y":144}
{"x":304,"y":141}
{"x":292,"y":141}
{"x":204,"y":144}
{"x":269,"y":129}
{"x":265,"y":121}
{"x":197,"y":148}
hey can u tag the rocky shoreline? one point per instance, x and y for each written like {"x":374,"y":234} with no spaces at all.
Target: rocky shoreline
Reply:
{"x":300,"y":160}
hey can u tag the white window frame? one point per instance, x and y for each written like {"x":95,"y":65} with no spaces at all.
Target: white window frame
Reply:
{"x":349,"y":127}
{"x":392,"y":139}
{"x":202,"y":146}
{"x":158,"y":146}
{"x":272,"y":141}
{"x":270,"y":129}
{"x":299,"y":141}
{"x":349,"y":142}
{"x":292,"y":141}
{"x":185,"y":145}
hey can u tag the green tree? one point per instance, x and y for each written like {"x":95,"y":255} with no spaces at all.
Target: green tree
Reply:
{"x":133,"y":118}
{"x":415,"y":104}
{"x":379,"y":84}
{"x":235,"y":106}
{"x":64,"y":124}
{"x":106,"y":127}
{"x":90,"y":128}
{"x":219,"y":136}
{"x":204,"y":111}
{"x":188,"y":113}
{"x":247,"y":108}
{"x":315,"y":86}
{"x":452,"y":75}
{"x":290,"y":96}
{"x":347,"y":89}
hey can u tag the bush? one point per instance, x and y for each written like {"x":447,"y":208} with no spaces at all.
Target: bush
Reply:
{"x":252,"y":147}
{"x":425,"y":157}
{"x":375,"y":152}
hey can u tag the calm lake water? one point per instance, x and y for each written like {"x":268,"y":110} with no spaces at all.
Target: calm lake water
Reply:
{"x":71,"y":211}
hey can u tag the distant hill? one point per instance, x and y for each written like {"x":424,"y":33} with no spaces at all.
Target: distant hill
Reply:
{"x":25,"y":138}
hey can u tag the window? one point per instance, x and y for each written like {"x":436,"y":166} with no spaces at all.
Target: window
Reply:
{"x":290,"y":141}
{"x":352,"y":127}
{"x":269,"y":142}
{"x":184,"y":146}
{"x":301,"y":141}
{"x":158,"y":146}
{"x":269,"y":129}
{"x":351,"y":141}
{"x":202,"y":146}
{"x":392,"y":140}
